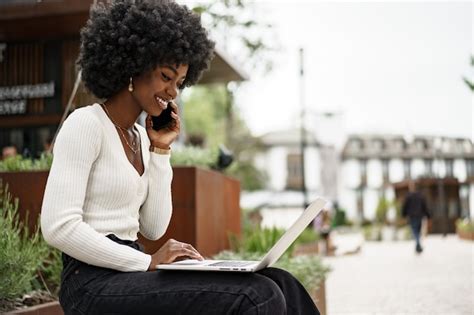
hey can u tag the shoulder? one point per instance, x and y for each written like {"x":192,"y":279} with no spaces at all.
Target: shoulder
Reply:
{"x":82,"y":128}
{"x":86,"y":116}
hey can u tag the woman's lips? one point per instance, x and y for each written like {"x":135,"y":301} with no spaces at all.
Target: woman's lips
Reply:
{"x":161,"y":102}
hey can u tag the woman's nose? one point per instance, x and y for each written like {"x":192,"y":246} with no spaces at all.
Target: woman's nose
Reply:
{"x":172,"y":91}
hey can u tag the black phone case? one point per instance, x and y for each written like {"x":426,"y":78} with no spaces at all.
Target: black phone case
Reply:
{"x":163,"y":120}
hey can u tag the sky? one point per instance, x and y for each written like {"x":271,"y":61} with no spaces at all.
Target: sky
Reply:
{"x":392,"y":67}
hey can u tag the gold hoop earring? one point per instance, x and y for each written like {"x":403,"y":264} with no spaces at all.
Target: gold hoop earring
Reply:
{"x":130,"y":85}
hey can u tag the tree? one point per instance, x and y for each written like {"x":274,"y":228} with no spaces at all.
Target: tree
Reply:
{"x":470,"y":84}
{"x":206,"y":117}
{"x":233,"y":27}
{"x":209,"y":114}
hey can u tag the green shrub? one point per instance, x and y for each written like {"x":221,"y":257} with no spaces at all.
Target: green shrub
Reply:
{"x":255,"y":242}
{"x":260,"y":240}
{"x":22,"y":252}
{"x":251,"y":178}
{"x":382,"y":210}
{"x":27,"y":262}
{"x":194,"y":156}
{"x":19,"y":163}
{"x":309,"y":235}
{"x":308,"y":269}
{"x":49,"y":274}
{"x":372,"y":232}
{"x":339,"y":218}
{"x":465,"y":225}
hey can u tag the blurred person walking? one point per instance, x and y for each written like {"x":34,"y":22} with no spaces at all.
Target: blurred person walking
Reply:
{"x":415,"y":209}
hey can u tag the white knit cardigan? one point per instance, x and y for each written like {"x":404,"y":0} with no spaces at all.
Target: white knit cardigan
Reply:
{"x":93,"y":190}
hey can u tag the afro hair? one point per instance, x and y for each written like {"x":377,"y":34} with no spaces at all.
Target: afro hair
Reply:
{"x":129,"y":38}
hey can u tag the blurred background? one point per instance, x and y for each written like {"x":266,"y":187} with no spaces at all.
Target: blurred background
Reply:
{"x":349,"y":100}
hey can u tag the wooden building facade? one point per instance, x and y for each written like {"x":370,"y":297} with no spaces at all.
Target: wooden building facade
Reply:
{"x":39,"y":45}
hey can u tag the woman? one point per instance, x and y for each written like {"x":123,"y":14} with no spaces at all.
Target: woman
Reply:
{"x":111,"y":178}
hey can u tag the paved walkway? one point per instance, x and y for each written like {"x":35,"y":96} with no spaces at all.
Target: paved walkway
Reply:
{"x":389,"y":278}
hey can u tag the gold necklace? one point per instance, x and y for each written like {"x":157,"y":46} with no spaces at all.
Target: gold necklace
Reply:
{"x":123,"y":135}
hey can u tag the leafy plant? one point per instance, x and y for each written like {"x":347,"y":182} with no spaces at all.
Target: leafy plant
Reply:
{"x":465,"y":225}
{"x":339,"y":218}
{"x":382,"y":209}
{"x":309,"y":235}
{"x":468,"y":82}
{"x":308,"y":269}
{"x":211,"y":118}
{"x":250,"y":177}
{"x":194,"y":156}
{"x":22,"y":252}
{"x":49,"y":274}
{"x":255,"y":242}
{"x":28,"y":265}
{"x":233,"y":24}
{"x":372,"y":232}
{"x":19,"y":163}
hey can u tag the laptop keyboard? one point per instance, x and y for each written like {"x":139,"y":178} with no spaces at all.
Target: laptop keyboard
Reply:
{"x":232,"y":263}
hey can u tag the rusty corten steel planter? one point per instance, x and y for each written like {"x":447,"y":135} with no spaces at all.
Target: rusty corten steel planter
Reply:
{"x":319,"y":297}
{"x":465,"y":235}
{"x":205,"y":206}
{"x":28,"y":187}
{"x":50,"y":308}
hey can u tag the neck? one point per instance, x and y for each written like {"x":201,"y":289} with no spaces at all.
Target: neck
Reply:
{"x":123,"y":109}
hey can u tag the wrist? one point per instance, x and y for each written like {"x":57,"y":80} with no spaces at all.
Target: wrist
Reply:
{"x":159,"y":150}
{"x":161,"y":146}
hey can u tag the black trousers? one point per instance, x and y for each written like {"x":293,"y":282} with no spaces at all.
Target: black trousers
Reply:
{"x":87,"y":289}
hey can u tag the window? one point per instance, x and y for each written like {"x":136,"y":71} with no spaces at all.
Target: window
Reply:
{"x":470,"y":167}
{"x":407,"y":168}
{"x":378,"y":145}
{"x":449,"y":167}
{"x":428,"y":167}
{"x":294,"y":179}
{"x":421,"y":145}
{"x":355,"y":145}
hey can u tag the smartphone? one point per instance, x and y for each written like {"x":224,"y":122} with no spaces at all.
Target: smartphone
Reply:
{"x":163,"y":120}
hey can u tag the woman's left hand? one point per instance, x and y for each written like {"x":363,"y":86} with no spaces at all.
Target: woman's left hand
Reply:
{"x":164,"y":137}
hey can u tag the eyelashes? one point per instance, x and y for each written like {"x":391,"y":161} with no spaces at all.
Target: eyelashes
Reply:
{"x":167,"y":79}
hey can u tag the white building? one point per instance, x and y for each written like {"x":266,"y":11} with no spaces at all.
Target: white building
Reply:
{"x":359,"y":175}
{"x":281,"y":160}
{"x":371,"y":164}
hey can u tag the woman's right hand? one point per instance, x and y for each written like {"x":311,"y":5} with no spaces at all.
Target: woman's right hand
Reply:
{"x":171,"y":251}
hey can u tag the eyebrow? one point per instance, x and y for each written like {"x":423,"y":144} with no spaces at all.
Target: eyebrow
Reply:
{"x":172,"y":69}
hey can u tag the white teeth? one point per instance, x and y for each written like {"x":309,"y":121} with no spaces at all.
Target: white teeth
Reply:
{"x":162,"y":101}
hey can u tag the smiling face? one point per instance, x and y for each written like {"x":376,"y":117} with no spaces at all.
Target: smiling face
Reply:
{"x":154,"y":89}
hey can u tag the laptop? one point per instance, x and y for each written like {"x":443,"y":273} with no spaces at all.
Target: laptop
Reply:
{"x":251,"y":266}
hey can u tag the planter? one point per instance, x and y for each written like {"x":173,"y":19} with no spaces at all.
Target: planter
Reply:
{"x":51,"y":308}
{"x":206,"y":206}
{"x":319,"y":297}
{"x":307,"y":249}
{"x":465,"y":235}
{"x":28,"y":187}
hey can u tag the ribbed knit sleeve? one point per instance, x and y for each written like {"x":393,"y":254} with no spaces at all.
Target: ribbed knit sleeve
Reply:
{"x":155,"y":213}
{"x":77,"y":147}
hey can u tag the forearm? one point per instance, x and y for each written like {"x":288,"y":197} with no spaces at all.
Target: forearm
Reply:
{"x":155,"y":213}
